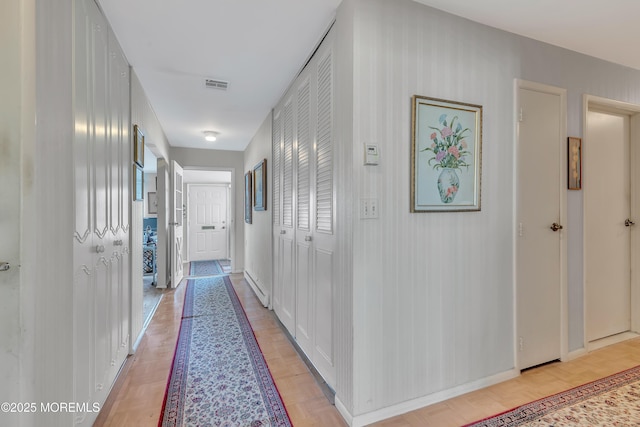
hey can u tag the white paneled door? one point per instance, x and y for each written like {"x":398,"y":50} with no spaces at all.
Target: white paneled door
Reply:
{"x":207,"y":226}
{"x":102,"y":161}
{"x":176,"y":225}
{"x":607,"y":225}
{"x":539,"y":228}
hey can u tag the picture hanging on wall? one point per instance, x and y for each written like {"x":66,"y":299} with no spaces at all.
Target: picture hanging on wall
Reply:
{"x":138,"y":183}
{"x":446,"y":146}
{"x":138,"y":146}
{"x":247,"y":197}
{"x":575,"y":163}
{"x":153,"y":202}
{"x":260,"y":186}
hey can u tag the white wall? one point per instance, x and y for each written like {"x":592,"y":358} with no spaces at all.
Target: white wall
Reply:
{"x":17,"y":245}
{"x":257,"y":235}
{"x":222,"y":160}
{"x":433,"y":293}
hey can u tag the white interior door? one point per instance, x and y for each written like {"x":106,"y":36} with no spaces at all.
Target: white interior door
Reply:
{"x":177,"y":218}
{"x":164,"y":245}
{"x":607,"y":239}
{"x":538,"y":247}
{"x":207,"y":226}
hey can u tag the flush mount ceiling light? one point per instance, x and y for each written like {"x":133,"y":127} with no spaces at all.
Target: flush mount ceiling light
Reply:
{"x":210,"y":135}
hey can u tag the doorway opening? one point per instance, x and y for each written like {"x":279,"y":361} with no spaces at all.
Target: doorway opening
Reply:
{"x":208,"y":217}
{"x":151,"y":295}
{"x":611,"y":206}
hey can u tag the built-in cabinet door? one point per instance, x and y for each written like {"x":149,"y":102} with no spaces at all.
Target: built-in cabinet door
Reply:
{"x":101,"y":238}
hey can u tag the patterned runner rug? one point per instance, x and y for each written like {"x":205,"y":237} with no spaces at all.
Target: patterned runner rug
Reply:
{"x":611,"y":401}
{"x":205,"y":268}
{"x":219,"y":376}
{"x":225,"y":264}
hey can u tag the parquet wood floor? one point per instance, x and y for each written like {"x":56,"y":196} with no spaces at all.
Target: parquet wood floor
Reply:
{"x":136,"y":399}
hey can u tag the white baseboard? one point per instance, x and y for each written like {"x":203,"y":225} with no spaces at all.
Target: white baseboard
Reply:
{"x":607,"y":341}
{"x":575,"y":354}
{"x":262,"y":296}
{"x":421,"y":402}
{"x":343,"y":410}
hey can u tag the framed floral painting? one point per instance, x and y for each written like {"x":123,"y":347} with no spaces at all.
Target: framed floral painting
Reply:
{"x":446,"y":146}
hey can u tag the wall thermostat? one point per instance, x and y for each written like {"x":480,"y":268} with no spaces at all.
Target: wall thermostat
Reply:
{"x":371,"y":154}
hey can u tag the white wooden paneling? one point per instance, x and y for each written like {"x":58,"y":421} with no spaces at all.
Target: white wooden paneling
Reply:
{"x":303,"y":191}
{"x":324,"y":150}
{"x":276,"y":172}
{"x":287,"y":166}
{"x":101,"y":310}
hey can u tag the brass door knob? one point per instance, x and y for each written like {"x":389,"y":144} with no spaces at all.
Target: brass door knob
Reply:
{"x":555,"y":226}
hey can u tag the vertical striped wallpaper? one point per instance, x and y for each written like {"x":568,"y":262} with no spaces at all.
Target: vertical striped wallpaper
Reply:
{"x":433,"y":292}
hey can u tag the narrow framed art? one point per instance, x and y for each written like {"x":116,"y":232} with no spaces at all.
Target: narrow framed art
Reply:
{"x":138,"y":146}
{"x":152,"y":208}
{"x":247,"y":198}
{"x":446,"y":147}
{"x":575,"y":163}
{"x":138,"y":183}
{"x":260,"y":186}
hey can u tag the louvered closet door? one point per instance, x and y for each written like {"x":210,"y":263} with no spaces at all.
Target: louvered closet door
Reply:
{"x":324,"y":240}
{"x":304,"y":218}
{"x":287,"y":308}
{"x":276,"y":295}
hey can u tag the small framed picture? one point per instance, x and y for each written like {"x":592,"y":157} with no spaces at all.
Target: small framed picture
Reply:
{"x":260,"y":186}
{"x":247,"y":197}
{"x":153,"y":202}
{"x":138,"y":183}
{"x":575,"y":163}
{"x":138,"y":146}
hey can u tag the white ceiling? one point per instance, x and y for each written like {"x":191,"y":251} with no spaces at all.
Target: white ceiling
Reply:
{"x":259,"y":46}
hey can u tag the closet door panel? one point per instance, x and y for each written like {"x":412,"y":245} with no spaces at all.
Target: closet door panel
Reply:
{"x":324,"y":237}
{"x":99,"y":136}
{"x":83,"y":330}
{"x":277,"y":209}
{"x":304,"y":243}
{"x":287,"y":312}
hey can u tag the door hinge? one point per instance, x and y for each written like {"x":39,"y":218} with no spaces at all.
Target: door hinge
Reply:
{"x":520,"y":116}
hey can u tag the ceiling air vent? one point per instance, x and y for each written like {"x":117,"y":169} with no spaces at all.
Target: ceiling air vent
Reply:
{"x":216,"y":84}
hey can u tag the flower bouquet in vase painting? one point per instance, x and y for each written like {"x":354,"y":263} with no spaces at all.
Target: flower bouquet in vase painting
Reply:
{"x":449,"y":150}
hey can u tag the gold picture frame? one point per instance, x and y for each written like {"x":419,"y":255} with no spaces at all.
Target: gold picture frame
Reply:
{"x":260,"y":186}
{"x":138,"y":146}
{"x":575,"y":163}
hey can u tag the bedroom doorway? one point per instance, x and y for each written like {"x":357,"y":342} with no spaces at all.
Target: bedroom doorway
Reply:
{"x":610,"y":214}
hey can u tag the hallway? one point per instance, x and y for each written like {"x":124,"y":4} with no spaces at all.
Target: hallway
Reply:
{"x":137,"y":396}
{"x":136,"y":399}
